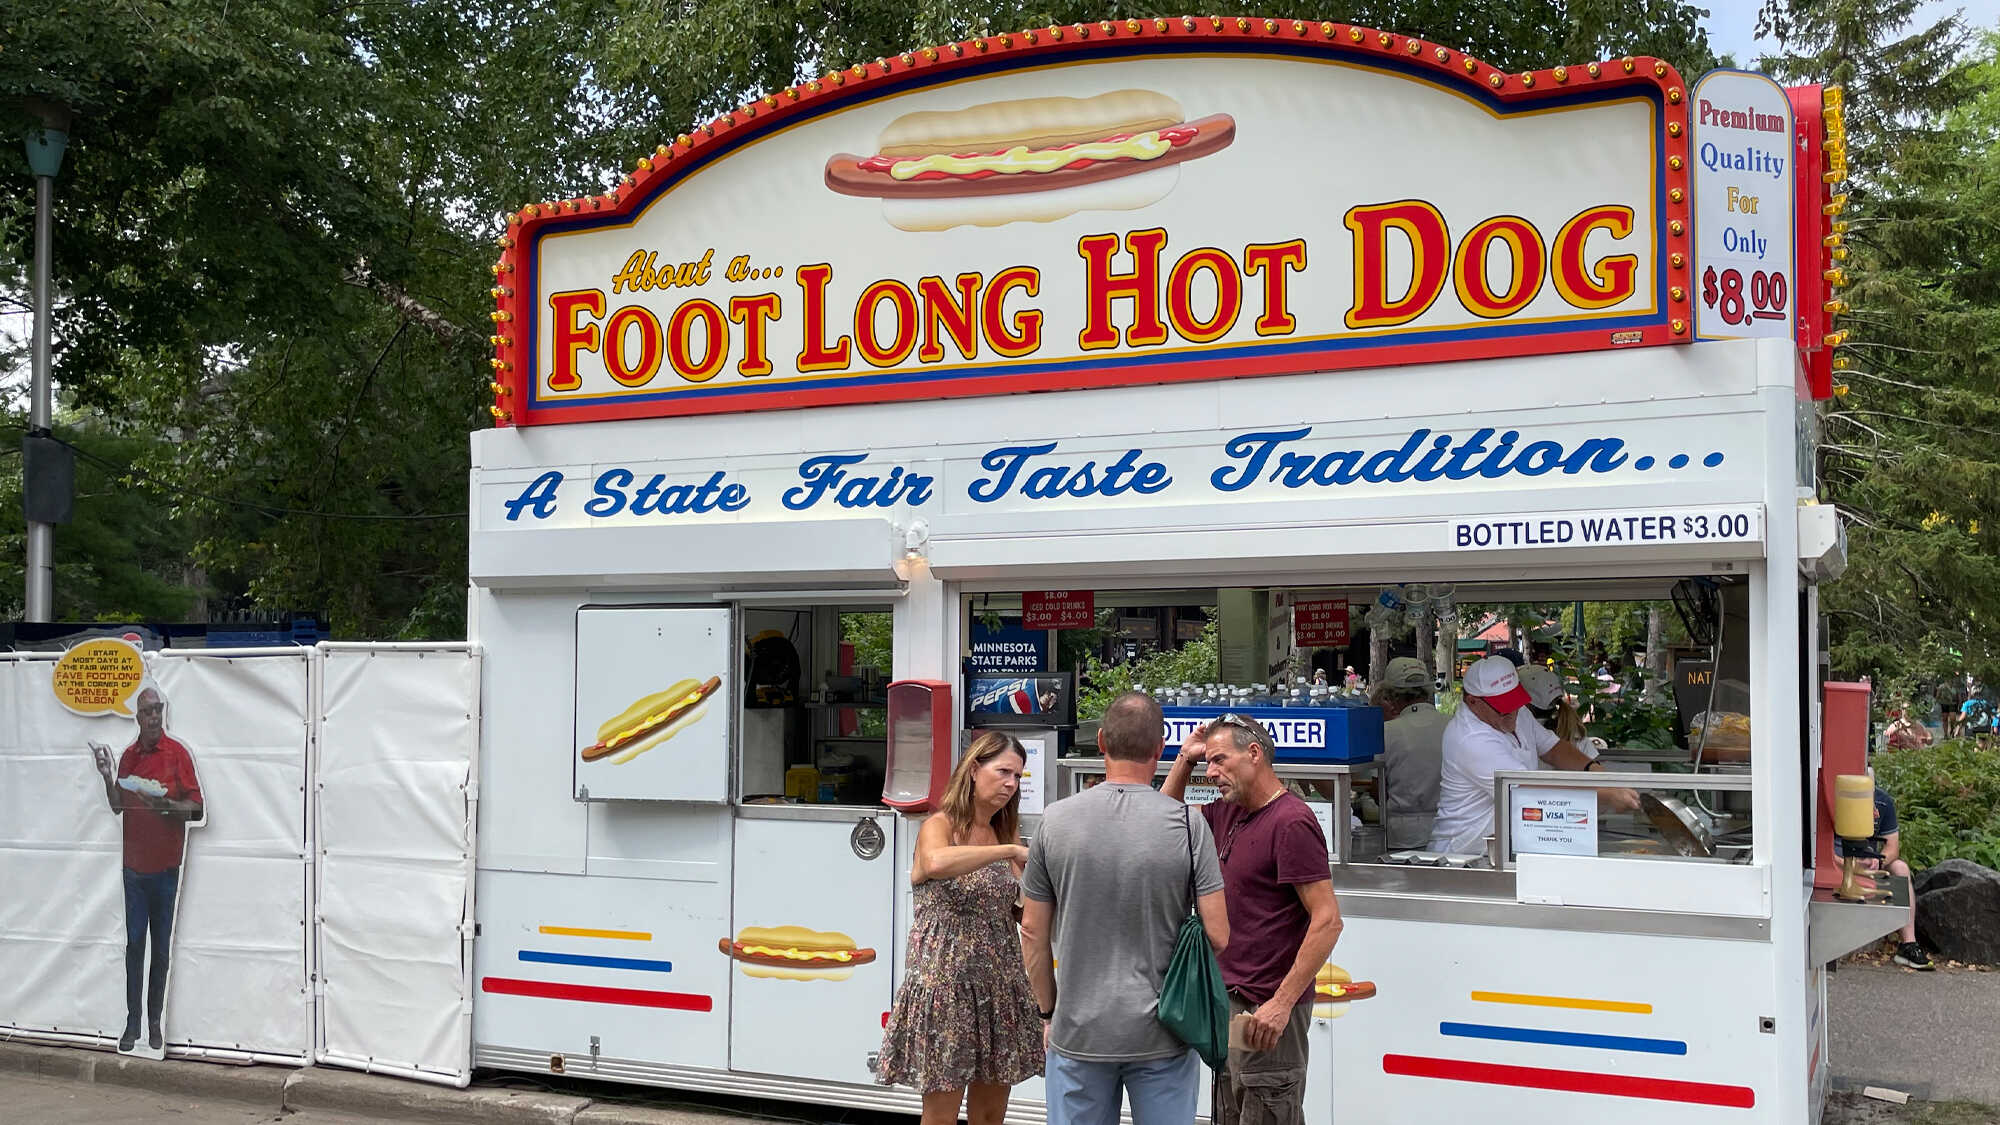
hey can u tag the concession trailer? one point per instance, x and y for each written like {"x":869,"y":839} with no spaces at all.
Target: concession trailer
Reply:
{"x":1249,"y":315}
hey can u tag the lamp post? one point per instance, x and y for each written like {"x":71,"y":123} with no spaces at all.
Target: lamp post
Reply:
{"x":45,"y":155}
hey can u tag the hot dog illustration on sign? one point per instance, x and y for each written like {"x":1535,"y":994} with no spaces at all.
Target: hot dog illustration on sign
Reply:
{"x":1030,"y":160}
{"x":651,"y":721}
{"x":1334,"y":988}
{"x":794,"y":953}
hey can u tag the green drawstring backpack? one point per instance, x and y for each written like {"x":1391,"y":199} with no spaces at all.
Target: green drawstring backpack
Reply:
{"x":1194,"y":1004}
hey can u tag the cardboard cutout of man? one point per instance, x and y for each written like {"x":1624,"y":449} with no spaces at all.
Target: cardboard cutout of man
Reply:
{"x":152,"y":786}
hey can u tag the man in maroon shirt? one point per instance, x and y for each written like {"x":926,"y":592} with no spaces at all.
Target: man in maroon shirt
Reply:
{"x":1283,"y":919}
{"x":154,"y":788}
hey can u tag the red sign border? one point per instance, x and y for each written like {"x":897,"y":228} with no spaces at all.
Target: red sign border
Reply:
{"x":668,"y":164}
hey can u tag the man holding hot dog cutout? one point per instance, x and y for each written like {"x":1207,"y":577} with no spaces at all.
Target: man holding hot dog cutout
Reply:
{"x":1282,"y":912}
{"x":155,"y":790}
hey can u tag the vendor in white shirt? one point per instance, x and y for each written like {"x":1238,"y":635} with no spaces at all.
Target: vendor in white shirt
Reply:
{"x":1486,"y":736}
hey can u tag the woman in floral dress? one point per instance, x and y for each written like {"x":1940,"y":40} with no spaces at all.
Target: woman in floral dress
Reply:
{"x":964,"y":1019}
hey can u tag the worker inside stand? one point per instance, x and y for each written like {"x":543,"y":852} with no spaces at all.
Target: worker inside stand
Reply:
{"x":1412,"y":753}
{"x":1550,"y":704}
{"x":1487,"y":736}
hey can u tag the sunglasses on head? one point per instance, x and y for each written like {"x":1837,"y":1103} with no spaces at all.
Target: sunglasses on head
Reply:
{"x":1243,"y":723}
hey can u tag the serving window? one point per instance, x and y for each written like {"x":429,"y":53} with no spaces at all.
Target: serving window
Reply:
{"x":815,"y":687}
{"x":1653,"y":675}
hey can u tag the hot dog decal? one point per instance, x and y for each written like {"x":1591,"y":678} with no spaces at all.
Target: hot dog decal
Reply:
{"x":794,"y":953}
{"x":651,"y":721}
{"x":1029,"y":160}
{"x":1333,"y":988}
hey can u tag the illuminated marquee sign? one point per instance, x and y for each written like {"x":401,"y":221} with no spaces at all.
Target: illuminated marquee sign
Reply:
{"x":1104,"y":204}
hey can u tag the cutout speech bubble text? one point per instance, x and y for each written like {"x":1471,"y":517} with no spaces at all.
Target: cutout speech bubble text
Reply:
{"x":99,"y":677}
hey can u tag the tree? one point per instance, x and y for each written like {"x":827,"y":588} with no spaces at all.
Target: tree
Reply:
{"x":271,"y":232}
{"x":269,"y":236}
{"x":1908,"y":447}
{"x":123,"y":554}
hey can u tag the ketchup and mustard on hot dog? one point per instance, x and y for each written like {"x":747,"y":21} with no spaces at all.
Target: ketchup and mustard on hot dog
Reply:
{"x":652,"y":720}
{"x":794,"y":953}
{"x":1333,"y":988}
{"x":1032,"y":159}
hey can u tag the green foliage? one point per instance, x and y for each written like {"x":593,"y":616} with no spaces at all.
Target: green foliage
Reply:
{"x":872,"y":637}
{"x":1624,"y":718}
{"x":1947,"y":801}
{"x":123,"y":557}
{"x":271,"y":239}
{"x":1198,"y":661}
{"x":1908,"y":450}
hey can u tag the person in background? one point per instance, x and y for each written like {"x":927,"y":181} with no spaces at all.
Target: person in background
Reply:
{"x":1976,"y":716}
{"x":1279,"y":886}
{"x":963,"y":1028}
{"x":1905,"y":733}
{"x":1412,"y":753}
{"x":1106,"y":890}
{"x":1487,"y":736}
{"x":153,"y":787}
{"x":1887,"y":844}
{"x":1550,"y":704}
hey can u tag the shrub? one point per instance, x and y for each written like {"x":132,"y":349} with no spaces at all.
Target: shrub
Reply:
{"x":1947,"y":802}
{"x":1198,"y":661}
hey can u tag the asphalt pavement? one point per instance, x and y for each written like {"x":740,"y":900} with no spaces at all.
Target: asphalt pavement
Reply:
{"x":1934,"y":1036}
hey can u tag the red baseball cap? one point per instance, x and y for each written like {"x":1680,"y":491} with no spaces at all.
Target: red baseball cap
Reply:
{"x":1495,"y":681}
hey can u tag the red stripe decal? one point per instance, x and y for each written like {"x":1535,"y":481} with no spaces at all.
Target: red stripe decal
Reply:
{"x":1573,"y":1081}
{"x":594,"y":994}
{"x":885,"y":1020}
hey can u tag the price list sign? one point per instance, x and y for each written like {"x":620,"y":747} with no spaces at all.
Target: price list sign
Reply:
{"x":1058,"y":609}
{"x":1317,"y":624}
{"x":1743,"y":200}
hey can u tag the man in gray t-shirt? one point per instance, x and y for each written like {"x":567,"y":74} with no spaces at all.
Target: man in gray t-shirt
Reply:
{"x":1107,"y":888}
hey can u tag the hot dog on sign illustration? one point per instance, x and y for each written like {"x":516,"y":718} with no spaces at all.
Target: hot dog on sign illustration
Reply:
{"x":1031,"y":160}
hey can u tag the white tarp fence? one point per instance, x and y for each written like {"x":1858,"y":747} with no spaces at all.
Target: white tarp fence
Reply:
{"x":394,"y":881}
{"x":399,"y":739}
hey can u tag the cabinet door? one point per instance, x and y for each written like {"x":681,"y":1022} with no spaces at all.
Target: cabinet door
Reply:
{"x":821,"y":1018}
{"x":656,"y":687}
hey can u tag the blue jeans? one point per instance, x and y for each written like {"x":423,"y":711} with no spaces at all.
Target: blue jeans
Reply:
{"x":1162,"y":1091}
{"x":149,"y":908}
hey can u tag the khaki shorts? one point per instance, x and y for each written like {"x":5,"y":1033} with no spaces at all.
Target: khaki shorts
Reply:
{"x":1264,"y":1087}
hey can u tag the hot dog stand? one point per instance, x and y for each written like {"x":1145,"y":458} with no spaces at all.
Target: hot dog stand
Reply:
{"x":1293,"y":307}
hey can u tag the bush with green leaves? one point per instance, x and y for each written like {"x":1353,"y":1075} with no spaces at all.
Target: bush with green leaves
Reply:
{"x":1947,"y":801}
{"x":1198,"y":662}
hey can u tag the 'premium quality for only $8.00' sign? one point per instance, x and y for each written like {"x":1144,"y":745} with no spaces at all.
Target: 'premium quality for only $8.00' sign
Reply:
{"x":1027,"y":214}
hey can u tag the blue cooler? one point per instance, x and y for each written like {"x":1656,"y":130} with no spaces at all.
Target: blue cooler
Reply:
{"x":1306,"y":735}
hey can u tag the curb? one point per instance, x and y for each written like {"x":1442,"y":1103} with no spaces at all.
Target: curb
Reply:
{"x":47,"y":1062}
{"x":191,"y":1078}
{"x":615,"y":1113}
{"x":336,"y":1090}
{"x":353,"y":1092}
{"x":262,"y":1085}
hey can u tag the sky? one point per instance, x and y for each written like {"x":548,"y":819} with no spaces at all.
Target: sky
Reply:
{"x":1732,"y":24}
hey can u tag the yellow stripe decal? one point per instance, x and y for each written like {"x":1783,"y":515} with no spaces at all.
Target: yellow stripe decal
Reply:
{"x":1562,"y":1002}
{"x":616,"y":935}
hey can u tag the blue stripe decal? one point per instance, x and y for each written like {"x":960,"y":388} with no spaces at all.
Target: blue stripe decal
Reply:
{"x":598,"y":962}
{"x":1565,"y":1038}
